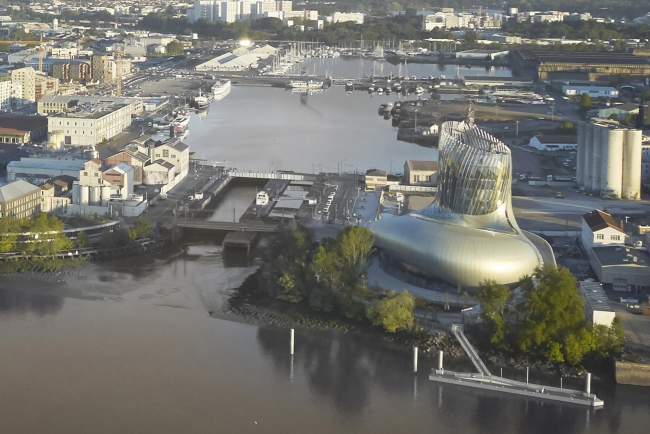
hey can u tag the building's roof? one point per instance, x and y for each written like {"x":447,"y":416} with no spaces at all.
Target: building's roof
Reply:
{"x":583,"y":57}
{"x":564,"y":139}
{"x":15,"y":190}
{"x":422,"y":165}
{"x":627,"y":107}
{"x":498,"y":79}
{"x":174,"y":143}
{"x":24,"y":163}
{"x":598,"y":220}
{"x":595,"y":296}
{"x":376,"y":172}
{"x":617,"y":255}
{"x":23,"y":123}
{"x":166,"y":164}
{"x":134,"y":153}
{"x":12,"y":132}
{"x":121,"y":168}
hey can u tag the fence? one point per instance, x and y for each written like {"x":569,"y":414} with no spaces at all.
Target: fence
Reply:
{"x":412,"y":188}
{"x":272,"y":175}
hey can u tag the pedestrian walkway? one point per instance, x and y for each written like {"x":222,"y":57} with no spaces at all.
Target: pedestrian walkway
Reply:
{"x":457,"y":329}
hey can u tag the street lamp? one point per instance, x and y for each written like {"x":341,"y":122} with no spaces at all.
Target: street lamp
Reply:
{"x":517,"y":128}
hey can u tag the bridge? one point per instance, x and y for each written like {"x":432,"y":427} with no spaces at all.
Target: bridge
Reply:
{"x":228,"y":226}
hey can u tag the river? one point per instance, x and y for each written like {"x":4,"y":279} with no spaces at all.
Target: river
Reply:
{"x":128,"y":346}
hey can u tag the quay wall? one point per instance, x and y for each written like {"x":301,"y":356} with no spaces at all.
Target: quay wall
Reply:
{"x":635,"y":374}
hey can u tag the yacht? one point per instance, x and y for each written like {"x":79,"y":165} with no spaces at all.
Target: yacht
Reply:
{"x":202,"y":101}
{"x":220,"y":87}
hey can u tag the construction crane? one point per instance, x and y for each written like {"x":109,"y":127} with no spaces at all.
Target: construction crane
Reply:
{"x":118,"y":70}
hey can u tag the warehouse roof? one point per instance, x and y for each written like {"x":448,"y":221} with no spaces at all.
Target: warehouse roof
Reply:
{"x":549,"y":56}
{"x":15,"y":190}
{"x":571,"y":139}
{"x":595,"y":296}
{"x":422,"y":165}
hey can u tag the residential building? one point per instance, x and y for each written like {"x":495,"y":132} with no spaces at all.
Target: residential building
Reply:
{"x":89,"y":124}
{"x":417,"y":172}
{"x":56,"y":194}
{"x":600,"y":229}
{"x":376,"y":178}
{"x":597,"y":308}
{"x":80,"y":71}
{"x":172,"y":151}
{"x":554,"y":142}
{"x":44,"y":85}
{"x":103,"y":69}
{"x":25,"y":75}
{"x":19,"y":199}
{"x":5,"y":92}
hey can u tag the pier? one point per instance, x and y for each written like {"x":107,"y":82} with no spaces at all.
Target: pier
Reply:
{"x":486,"y":381}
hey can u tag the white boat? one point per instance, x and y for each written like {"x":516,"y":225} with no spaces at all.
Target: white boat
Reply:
{"x":202,"y":101}
{"x":220,"y":87}
{"x":301,"y":84}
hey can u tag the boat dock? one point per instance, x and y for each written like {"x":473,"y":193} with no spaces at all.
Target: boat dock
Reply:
{"x":486,"y":381}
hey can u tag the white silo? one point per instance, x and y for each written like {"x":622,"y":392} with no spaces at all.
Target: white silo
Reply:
{"x":611,"y":175}
{"x":95,"y":197}
{"x":596,"y":160}
{"x":580,"y":157}
{"x":106,"y":195}
{"x":76,"y":193}
{"x":588,"y":156}
{"x":83,"y":195}
{"x":632,"y":154}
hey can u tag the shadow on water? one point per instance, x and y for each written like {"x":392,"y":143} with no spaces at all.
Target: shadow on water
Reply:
{"x":18,"y":301}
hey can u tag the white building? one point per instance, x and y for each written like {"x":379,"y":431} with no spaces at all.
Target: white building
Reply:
{"x":600,"y":229}
{"x":343,"y":17}
{"x":592,"y":91}
{"x":172,"y":151}
{"x":597,"y":308}
{"x":25,"y":76}
{"x":88,"y":125}
{"x":229,"y":11}
{"x":65,"y":103}
{"x":5,"y":92}
{"x":554,"y":143}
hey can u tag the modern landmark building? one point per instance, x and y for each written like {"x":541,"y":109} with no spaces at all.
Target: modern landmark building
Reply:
{"x":469,"y":233}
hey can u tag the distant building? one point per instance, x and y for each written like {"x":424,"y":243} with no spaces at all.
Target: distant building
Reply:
{"x":56,"y":194}
{"x":172,"y":151}
{"x":625,"y":266}
{"x":44,"y":85}
{"x":343,"y":17}
{"x":120,"y":175}
{"x":133,"y":158}
{"x":88,"y":125}
{"x":25,"y":76}
{"x":22,"y":129}
{"x":621,"y":111}
{"x":19,"y":199}
{"x":70,"y":103}
{"x":376,"y":178}
{"x":158,"y":172}
{"x":479,"y":80}
{"x":597,"y":308}
{"x":39,"y":170}
{"x":554,"y":142}
{"x":600,"y":229}
{"x":478,"y":54}
{"x":592,"y":91}
{"x":417,"y":172}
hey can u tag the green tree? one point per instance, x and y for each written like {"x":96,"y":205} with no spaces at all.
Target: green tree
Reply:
{"x":8,"y":235}
{"x":394,"y":312}
{"x":646,"y":95}
{"x":493,"y":299}
{"x":175,"y":48}
{"x":585,"y":101}
{"x":566,"y":128}
{"x":142,"y":229}
{"x":82,"y":240}
{"x":553,"y":313}
{"x":354,"y":246}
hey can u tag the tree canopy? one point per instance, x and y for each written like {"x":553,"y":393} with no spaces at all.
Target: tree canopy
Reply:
{"x":394,"y":312}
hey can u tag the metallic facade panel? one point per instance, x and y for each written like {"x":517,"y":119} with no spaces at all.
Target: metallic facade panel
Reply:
{"x":468,"y":234}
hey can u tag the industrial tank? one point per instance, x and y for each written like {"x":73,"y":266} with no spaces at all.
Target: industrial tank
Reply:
{"x":83,"y":196}
{"x":95,"y":196}
{"x":76,"y":191}
{"x":596,"y":160}
{"x":106,"y":195}
{"x":588,"y":156}
{"x":632,"y":154}
{"x":612,"y":161}
{"x":580,"y":157}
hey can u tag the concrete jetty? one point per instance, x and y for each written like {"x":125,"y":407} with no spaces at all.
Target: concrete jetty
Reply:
{"x":486,"y":381}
